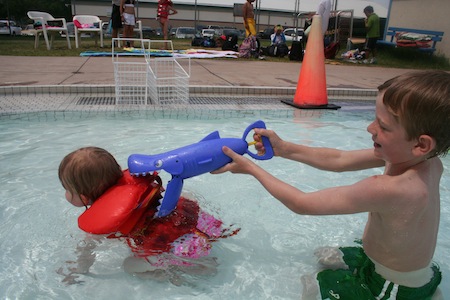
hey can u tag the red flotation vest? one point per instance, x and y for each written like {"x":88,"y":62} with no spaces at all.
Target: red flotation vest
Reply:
{"x":120,"y":208}
{"x":127,"y":210}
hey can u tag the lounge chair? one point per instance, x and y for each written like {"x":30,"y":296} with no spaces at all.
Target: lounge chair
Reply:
{"x":88,"y":24}
{"x":48,"y":25}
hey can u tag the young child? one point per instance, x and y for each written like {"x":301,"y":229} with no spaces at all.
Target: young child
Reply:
{"x":277,"y":37}
{"x":372,"y":24}
{"x":410,"y":131}
{"x":123,"y":206}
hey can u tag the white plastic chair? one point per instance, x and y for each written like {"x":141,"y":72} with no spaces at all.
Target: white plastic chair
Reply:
{"x":95,"y":26}
{"x":43,"y":18}
{"x":138,"y":28}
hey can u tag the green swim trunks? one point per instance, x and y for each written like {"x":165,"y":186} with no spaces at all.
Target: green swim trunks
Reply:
{"x":360,"y":282}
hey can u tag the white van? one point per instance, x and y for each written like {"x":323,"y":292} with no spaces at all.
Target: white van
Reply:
{"x":208,"y":33}
{"x":185,"y":33}
{"x":9,"y":27}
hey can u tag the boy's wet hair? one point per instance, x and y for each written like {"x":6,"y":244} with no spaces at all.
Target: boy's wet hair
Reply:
{"x":420,"y":101}
{"x":89,"y":171}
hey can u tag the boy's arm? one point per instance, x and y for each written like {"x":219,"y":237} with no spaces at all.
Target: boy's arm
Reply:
{"x":333,"y":159}
{"x":371,"y":194}
{"x":369,"y":23}
{"x":321,"y":158}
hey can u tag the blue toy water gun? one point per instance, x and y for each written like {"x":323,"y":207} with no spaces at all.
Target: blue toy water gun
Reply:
{"x":193,"y":160}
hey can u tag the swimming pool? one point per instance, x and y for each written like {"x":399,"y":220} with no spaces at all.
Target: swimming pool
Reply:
{"x":265,"y":260}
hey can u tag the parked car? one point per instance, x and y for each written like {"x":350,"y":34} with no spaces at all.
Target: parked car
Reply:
{"x":266,"y":33}
{"x":217,"y":29}
{"x":29,"y":30}
{"x":293,"y":34}
{"x":229,"y":31}
{"x":9,"y":27}
{"x":185,"y":33}
{"x":208,"y":33}
{"x":213,"y":27}
{"x":148,"y":32}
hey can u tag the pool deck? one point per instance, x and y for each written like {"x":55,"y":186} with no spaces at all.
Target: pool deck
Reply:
{"x":28,"y":70}
{"x":23,"y":80}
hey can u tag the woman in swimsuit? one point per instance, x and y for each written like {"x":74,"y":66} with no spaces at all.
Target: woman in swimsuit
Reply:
{"x":165,"y":8}
{"x":128,"y":18}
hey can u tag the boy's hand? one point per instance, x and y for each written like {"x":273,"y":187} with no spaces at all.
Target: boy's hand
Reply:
{"x":238,"y":165}
{"x":274,"y":139}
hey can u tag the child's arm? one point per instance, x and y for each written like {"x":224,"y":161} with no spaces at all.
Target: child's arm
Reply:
{"x":367,"y":195}
{"x":322,"y":158}
{"x":85,"y":259}
{"x":86,"y":255}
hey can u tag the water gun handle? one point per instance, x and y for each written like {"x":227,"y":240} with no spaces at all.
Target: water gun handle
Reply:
{"x":268,"y":147}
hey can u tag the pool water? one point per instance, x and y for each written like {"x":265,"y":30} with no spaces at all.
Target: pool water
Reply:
{"x":39,"y":233}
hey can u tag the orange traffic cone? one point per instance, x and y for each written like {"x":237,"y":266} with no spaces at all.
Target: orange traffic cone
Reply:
{"x":311,"y":90}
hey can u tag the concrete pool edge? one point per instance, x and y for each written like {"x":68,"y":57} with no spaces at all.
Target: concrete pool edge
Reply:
{"x":333,"y":93}
{"x":49,"y":99}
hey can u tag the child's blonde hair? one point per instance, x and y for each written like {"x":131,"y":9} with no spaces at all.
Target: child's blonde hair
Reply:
{"x":278,"y":27}
{"x":420,"y":101}
{"x":89,"y":171}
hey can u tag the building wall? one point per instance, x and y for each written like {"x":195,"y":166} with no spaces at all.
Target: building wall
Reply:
{"x":427,"y":15}
{"x":206,"y":15}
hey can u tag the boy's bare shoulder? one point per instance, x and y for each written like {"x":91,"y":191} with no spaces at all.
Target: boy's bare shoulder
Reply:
{"x":417,"y":185}
{"x":388,"y":193}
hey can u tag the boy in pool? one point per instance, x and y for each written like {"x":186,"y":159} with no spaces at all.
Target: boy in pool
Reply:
{"x":161,"y":247}
{"x":410,"y":131}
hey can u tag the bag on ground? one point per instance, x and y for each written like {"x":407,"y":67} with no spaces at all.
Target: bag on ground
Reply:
{"x":280,"y":50}
{"x":249,"y":47}
{"x":296,"y":52}
{"x":208,"y":43}
{"x":197,"y":41}
{"x":230,"y":43}
{"x":331,"y":50}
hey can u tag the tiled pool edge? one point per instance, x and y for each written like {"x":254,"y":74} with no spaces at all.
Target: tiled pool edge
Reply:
{"x":333,"y":93}
{"x":54,"y":101}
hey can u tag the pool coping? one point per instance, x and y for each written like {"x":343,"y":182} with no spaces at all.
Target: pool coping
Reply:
{"x":55,"y":99}
{"x":200,"y":89}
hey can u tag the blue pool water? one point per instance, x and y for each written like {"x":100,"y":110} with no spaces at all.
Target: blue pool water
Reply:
{"x":39,"y":233}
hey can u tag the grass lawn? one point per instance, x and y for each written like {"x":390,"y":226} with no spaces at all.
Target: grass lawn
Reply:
{"x":387,"y":57}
